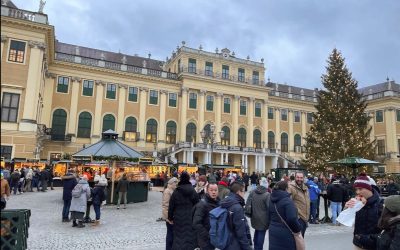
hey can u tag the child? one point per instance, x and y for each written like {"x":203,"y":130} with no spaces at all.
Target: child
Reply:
{"x":98,"y":196}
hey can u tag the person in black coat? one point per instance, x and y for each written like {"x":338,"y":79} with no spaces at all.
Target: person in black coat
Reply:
{"x":44,"y":178}
{"x":69,"y":182}
{"x":366,"y":222}
{"x":392,"y":188}
{"x":239,"y":234}
{"x":201,"y":218}
{"x":182,"y":201}
{"x":336,"y":195}
{"x":254,"y":180}
{"x":246,"y":179}
{"x":98,"y":196}
{"x":280,"y":237}
{"x":389,"y":239}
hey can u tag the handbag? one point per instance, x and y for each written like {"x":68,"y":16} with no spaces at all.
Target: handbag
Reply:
{"x":298,"y":238}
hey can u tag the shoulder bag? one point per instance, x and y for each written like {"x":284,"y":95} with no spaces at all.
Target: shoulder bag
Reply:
{"x":298,"y":238}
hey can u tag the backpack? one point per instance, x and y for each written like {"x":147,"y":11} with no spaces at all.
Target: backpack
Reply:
{"x":77,"y":191}
{"x":219,"y":227}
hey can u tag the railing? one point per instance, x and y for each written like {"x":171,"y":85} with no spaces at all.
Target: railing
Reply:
{"x":114,"y":66}
{"x":219,"y":147}
{"x":24,"y":14}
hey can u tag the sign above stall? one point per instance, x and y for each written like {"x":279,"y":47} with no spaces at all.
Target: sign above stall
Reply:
{"x":82,"y":158}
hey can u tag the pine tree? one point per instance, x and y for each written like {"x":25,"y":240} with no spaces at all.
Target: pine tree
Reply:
{"x":340,"y":127}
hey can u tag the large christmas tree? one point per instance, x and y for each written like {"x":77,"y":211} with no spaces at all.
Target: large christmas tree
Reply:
{"x":340,"y":127}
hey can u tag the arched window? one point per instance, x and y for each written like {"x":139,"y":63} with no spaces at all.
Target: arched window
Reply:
{"x":271,"y":139}
{"x":58,"y":125}
{"x":207,"y":129}
{"x":284,"y":142}
{"x":242,"y":137}
{"x":257,"y":138}
{"x":84,"y":125}
{"x":191,"y":132}
{"x":226,"y":140}
{"x":108,"y":122}
{"x":131,"y":124}
{"x":151,"y":131}
{"x":297,"y":143}
{"x":171,"y":132}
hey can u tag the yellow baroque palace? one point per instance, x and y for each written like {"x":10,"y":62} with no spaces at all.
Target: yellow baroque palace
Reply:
{"x":57,"y":97}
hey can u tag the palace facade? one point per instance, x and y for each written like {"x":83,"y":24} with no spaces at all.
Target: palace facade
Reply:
{"x":57,"y":97}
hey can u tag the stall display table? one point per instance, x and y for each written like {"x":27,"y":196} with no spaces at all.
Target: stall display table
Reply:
{"x":138,"y":191}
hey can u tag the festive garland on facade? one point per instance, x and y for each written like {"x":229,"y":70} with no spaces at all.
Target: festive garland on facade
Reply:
{"x":114,"y":158}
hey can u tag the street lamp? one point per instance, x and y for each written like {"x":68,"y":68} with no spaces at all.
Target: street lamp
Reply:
{"x":210,"y":138}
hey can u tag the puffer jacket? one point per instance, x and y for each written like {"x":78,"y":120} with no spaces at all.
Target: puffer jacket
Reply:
{"x":366,"y":223}
{"x":79,"y":204}
{"x":69,"y":182}
{"x":259,"y":208}
{"x":238,"y":239}
{"x":98,"y":195}
{"x":201,"y":221}
{"x":301,"y":199}
{"x":313,"y":190}
{"x":389,"y":239}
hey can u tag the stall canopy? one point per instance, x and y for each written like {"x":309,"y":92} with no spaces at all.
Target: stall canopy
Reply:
{"x":108,"y":146}
{"x":355,"y":162}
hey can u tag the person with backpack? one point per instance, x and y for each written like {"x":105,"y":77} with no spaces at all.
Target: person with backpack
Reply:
{"x":80,"y":195}
{"x":98,"y":196}
{"x":389,"y":238}
{"x":201,"y":218}
{"x":122,"y":190}
{"x":366,"y":222}
{"x":284,"y":225}
{"x":68,"y":182}
{"x":235,"y":224}
{"x":257,"y":208}
{"x":182,"y":201}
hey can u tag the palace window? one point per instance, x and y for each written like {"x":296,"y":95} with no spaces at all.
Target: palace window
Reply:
{"x":227,"y":105}
{"x":153,"y":97}
{"x":210,"y":103}
{"x":379,"y":116}
{"x":133,"y":94}
{"x":241,"y":75}
{"x":270,"y":113}
{"x":297,"y":143}
{"x":297,"y":116}
{"x":242,"y":137}
{"x":284,"y":114}
{"x":6,"y":152}
{"x":151,"y":131}
{"x":225,"y":72}
{"x":108,"y":122}
{"x":227,"y":136}
{"x":111,"y":91}
{"x":398,"y":115}
{"x":62,"y":84}
{"x":257,"y":110}
{"x":192,"y":100}
{"x":243,"y":107}
{"x":271,"y":139}
{"x":131,"y":124}
{"x":58,"y":125}
{"x":87,"y":88}
{"x":84,"y":125}
{"x":172,"y":99}
{"x":310,"y":118}
{"x":17,"y":51}
{"x":257,"y":138}
{"x":256,"y":77}
{"x":192,"y":65}
{"x":284,"y":142}
{"x":171,"y":132}
{"x":9,"y":107}
{"x":381,"y":147}
{"x":191,"y":132}
{"x":209,"y":69}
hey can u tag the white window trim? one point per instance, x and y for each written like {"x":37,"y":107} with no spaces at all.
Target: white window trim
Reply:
{"x":255,"y":107}
{"x":127,"y":96}
{"x":383,"y":116}
{"x":158,"y":97}
{"x":83,"y":80}
{"x":69,"y":84}
{"x":12,"y":148}
{"x":8,"y":51}
{"x":287,"y":115}
{"x":177,"y":99}
{"x":246,"y":107}
{"x":116,"y":92}
{"x":294,"y":117}
{"x":205,"y":108}
{"x":197,"y":98}
{"x":230,"y":105}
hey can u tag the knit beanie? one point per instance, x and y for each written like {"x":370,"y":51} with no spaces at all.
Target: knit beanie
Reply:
{"x":392,"y":203}
{"x":363,"y":182}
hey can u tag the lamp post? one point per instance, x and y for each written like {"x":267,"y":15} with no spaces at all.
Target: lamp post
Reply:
{"x":210,"y":138}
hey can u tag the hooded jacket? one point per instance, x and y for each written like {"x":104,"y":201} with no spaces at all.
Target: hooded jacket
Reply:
{"x":301,"y":200}
{"x":259,"y":208}
{"x":180,"y":208}
{"x":79,"y":204}
{"x":313,"y":190}
{"x":201,"y":221}
{"x":69,"y":182}
{"x":238,"y":239}
{"x":336,"y":193}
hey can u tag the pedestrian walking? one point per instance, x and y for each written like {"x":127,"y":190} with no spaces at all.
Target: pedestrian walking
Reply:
{"x":98,"y":196}
{"x":50,"y":176}
{"x":171,"y":186}
{"x":80,"y":195}
{"x":15,"y":176}
{"x":36,"y":179}
{"x":201,"y":218}
{"x":28,"y":180}
{"x":366,"y":222}
{"x":200,"y":186}
{"x":122,"y":190}
{"x":68,"y":182}
{"x":389,"y":238}
{"x":182,"y":201}
{"x":44,"y":178}
{"x":5,"y":192}
{"x":301,"y":199}
{"x":223,"y":190}
{"x":284,"y":224}
{"x":253,"y":180}
{"x":258,"y":206}
{"x":246,"y":179}
{"x":313,"y":192}
{"x":238,"y":235}
{"x":336,"y":195}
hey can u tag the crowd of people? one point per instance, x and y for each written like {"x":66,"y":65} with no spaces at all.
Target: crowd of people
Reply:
{"x":209,"y":212}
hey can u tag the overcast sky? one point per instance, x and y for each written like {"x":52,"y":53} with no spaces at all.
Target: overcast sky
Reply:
{"x":294,"y":37}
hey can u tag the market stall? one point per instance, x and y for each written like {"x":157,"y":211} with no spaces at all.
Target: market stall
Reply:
{"x":190,"y":168}
{"x":120,"y":159}
{"x":29,"y":163}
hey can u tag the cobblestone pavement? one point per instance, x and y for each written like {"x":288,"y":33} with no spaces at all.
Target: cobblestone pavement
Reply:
{"x":131,"y":228}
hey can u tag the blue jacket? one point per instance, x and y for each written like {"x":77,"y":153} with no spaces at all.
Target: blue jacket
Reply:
{"x":238,"y":239}
{"x":280,"y":237}
{"x":313,"y":190}
{"x":69,"y":182}
{"x":98,"y":195}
